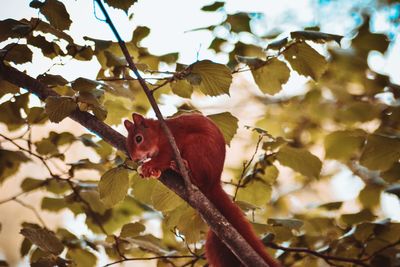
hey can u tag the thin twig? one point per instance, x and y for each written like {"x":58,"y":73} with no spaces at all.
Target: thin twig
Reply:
{"x":30,"y":153}
{"x":246,"y":165}
{"x":318,"y":254}
{"x":32,"y":209}
{"x":149,"y":258}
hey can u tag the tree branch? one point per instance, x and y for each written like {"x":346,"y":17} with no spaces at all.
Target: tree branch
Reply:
{"x":210,"y":214}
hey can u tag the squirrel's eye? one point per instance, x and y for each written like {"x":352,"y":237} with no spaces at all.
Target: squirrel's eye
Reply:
{"x":138,"y":139}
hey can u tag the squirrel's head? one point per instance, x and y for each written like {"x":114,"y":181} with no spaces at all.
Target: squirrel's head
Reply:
{"x":142,"y":141}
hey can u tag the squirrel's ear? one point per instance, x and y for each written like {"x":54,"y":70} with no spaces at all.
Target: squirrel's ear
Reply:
{"x":137,"y":118}
{"x":129,"y":125}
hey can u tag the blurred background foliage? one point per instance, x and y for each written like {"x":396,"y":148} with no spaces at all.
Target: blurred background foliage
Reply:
{"x":313,"y":127}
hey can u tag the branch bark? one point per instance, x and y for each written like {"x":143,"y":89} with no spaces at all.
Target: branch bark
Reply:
{"x":224,"y":230}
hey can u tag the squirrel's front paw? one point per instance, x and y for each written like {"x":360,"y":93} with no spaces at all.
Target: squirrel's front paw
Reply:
{"x":147,"y":170}
{"x":174,"y":166}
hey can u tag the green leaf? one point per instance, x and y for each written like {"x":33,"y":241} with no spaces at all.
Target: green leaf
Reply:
{"x":18,"y":53}
{"x":393,"y":174}
{"x":143,"y":188}
{"x":140,"y":33}
{"x":7,"y":88}
{"x":227,"y":123}
{"x":182,"y":88}
{"x":256,"y":193}
{"x":10,"y":28}
{"x":240,"y":22}
{"x":85,"y":85}
{"x":290,"y":223}
{"x":52,"y":80}
{"x":215,"y":78}
{"x":380,"y":152}
{"x":43,"y":238}
{"x":113,"y":186}
{"x":164,"y":199}
{"x":53,"y":204}
{"x":331,"y":205}
{"x":305,"y":60}
{"x":56,"y":14}
{"x":10,"y":162}
{"x":150,"y":243}
{"x":37,"y":115}
{"x":300,"y":160}
{"x":271,"y":76}
{"x":29,"y":184}
{"x":318,"y":37}
{"x":92,"y":197}
{"x":394,"y":189}
{"x":190,"y":224}
{"x":344,"y":145}
{"x":25,"y":247}
{"x":213,"y":7}
{"x":132,"y":229}
{"x":46,"y":147}
{"x":370,"y":195}
{"x":58,"y":108}
{"x":277,"y":45}
{"x":81,"y":257}
{"x":354,"y":218}
{"x":121,"y":4}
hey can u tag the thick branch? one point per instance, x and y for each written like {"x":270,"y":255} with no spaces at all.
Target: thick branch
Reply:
{"x":210,"y":214}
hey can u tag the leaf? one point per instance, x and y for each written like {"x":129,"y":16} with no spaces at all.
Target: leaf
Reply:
{"x":81,"y":257}
{"x":45,"y":27}
{"x":182,"y":88}
{"x":49,"y":49}
{"x":113,"y":186}
{"x":370,"y":195}
{"x":318,"y":37}
{"x":121,"y":4}
{"x":393,"y":174}
{"x":305,"y":60}
{"x":150,"y":243}
{"x":43,"y":238}
{"x":10,"y":162}
{"x":300,"y":160}
{"x":380,"y":152}
{"x":290,"y":223}
{"x":277,"y":45}
{"x":58,"y":108}
{"x":140,"y":33}
{"x":190,"y":224}
{"x":18,"y":53}
{"x":331,"y":205}
{"x":56,"y":14}
{"x":164,"y":199}
{"x":25,"y":247}
{"x":85,"y":85}
{"x":256,"y":193}
{"x":215,"y":78}
{"x":29,"y":184}
{"x":394,"y":189}
{"x":92,"y":197}
{"x":240,"y":22}
{"x":53,"y":204}
{"x":213,"y":7}
{"x":354,"y":218}
{"x":37,"y":115}
{"x":227,"y":123}
{"x":11,"y":28}
{"x":271,"y":76}
{"x":7,"y":88}
{"x":132,"y":229}
{"x":344,"y":145}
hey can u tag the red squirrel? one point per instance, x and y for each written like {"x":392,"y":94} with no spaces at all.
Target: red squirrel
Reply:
{"x":202,"y":147}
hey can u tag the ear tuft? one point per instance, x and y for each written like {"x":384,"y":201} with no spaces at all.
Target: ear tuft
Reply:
{"x":129,"y":125}
{"x":137,"y":118}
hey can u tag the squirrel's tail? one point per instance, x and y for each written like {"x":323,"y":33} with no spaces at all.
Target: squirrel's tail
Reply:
{"x":217,"y":253}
